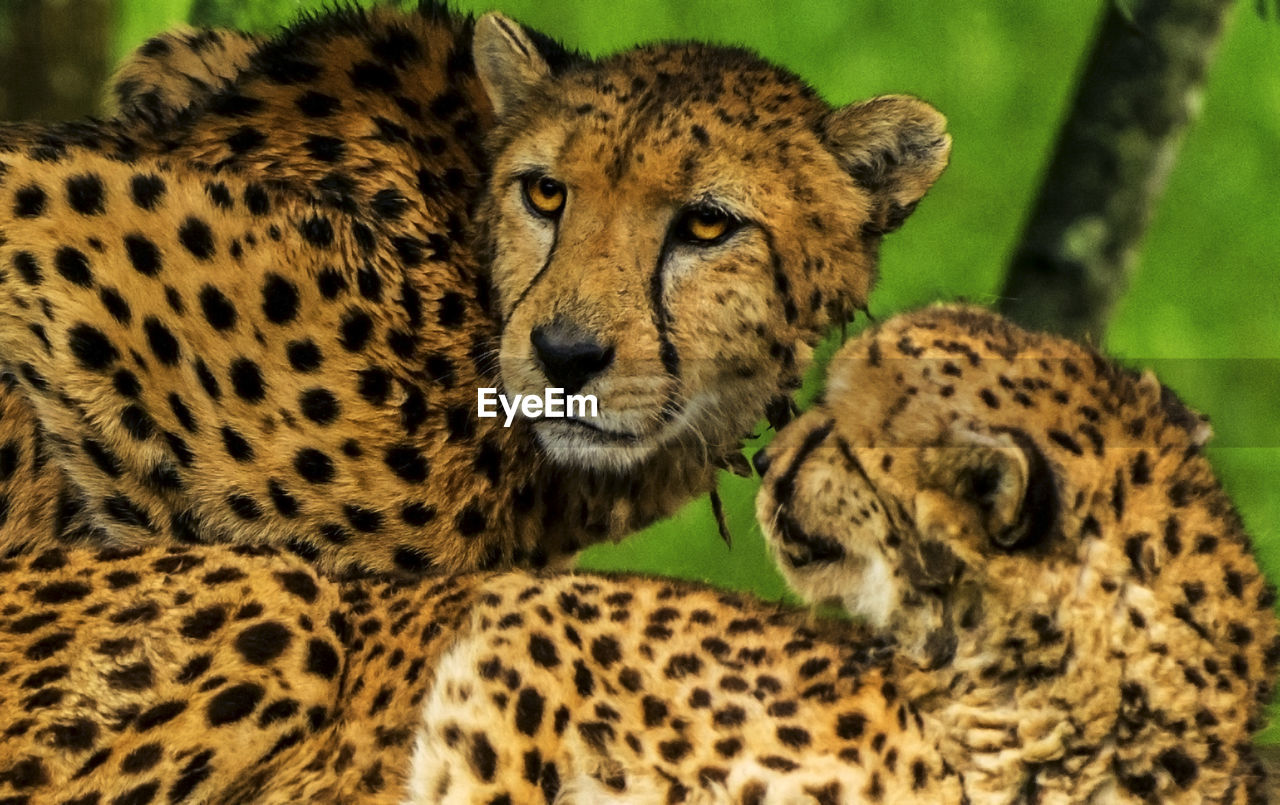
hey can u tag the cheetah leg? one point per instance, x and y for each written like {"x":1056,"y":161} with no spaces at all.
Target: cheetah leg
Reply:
{"x":37,"y":501}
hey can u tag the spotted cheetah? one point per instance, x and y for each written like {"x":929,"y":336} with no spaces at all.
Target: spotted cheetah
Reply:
{"x":1035,"y":635}
{"x":263,"y":313}
{"x":1038,"y":529}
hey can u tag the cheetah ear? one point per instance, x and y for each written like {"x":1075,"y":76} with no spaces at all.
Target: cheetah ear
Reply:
{"x":1003,"y":479}
{"x":507,"y":60}
{"x":895,"y":147}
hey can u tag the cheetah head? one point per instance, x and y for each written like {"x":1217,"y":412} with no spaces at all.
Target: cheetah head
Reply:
{"x":671,"y":228}
{"x":1016,"y":504}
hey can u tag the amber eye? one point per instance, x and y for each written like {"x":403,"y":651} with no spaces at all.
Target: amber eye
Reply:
{"x":544,"y":195}
{"x":705,"y":225}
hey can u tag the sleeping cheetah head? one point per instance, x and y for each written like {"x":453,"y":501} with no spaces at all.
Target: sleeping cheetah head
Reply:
{"x":671,"y":228}
{"x":1037,"y":528}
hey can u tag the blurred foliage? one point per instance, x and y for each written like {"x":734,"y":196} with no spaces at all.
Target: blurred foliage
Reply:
{"x":1203,"y":309}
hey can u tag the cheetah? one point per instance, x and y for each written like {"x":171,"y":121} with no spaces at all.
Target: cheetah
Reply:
{"x":1040,"y":533}
{"x":262,"y":313}
{"x":1032,"y":634}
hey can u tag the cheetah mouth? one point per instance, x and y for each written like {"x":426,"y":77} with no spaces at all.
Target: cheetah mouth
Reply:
{"x":590,"y":430}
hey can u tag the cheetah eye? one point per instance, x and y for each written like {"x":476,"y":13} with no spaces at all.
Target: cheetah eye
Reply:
{"x":705,"y":225}
{"x":544,"y":195}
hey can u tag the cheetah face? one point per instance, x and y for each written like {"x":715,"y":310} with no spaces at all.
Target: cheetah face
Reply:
{"x":670,"y":229}
{"x":904,"y":503}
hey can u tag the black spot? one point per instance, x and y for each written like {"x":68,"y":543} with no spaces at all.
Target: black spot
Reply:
{"x":182,"y":412}
{"x":27,"y":267}
{"x":1066,"y":442}
{"x":161,"y":341}
{"x":61,"y":592}
{"x":246,"y":380}
{"x":138,"y":422}
{"x":355,"y":329}
{"x":142,"y":758}
{"x":313,"y":465}
{"x":147,"y":190}
{"x":304,"y":355}
{"x":605,"y":651}
{"x":408,"y":463}
{"x":411,"y":560}
{"x":371,"y":77}
{"x":233,"y":704}
{"x":136,"y":676}
{"x":219,"y":311}
{"x":202,"y":623}
{"x":115,"y":305}
{"x":236,"y":445}
{"x":325,"y":148}
{"x":299,"y":583}
{"x":124,"y":511}
{"x":263,"y":642}
{"x":316,"y":104}
{"x":279,"y":710}
{"x":319,"y":405}
{"x":245,"y":507}
{"x":141,"y":795}
{"x":483,"y":759}
{"x":471,"y":521}
{"x":279,"y":299}
{"x":374,"y":385}
{"x":285,"y":503}
{"x":322,"y":660}
{"x":29,"y":202}
{"x":91,"y":347}
{"x":246,"y":139}
{"x":417,"y":514}
{"x":85,"y":194}
{"x":207,"y":380}
{"x":529,"y":709}
{"x":453,"y":309}
{"x":143,"y":254}
{"x":73,"y":266}
{"x":330,"y":283}
{"x":317,"y":231}
{"x":543,"y":651}
{"x":196,"y":236}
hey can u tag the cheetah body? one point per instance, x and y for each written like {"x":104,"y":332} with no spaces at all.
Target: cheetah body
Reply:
{"x":1028,"y":652}
{"x":259,"y":304}
{"x":1038,"y":528}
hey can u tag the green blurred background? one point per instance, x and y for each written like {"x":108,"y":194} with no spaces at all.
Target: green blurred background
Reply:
{"x":1203,"y":310}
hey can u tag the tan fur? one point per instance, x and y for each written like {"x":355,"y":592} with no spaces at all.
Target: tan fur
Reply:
{"x":174,"y":69}
{"x":1068,"y":676}
{"x":308,"y":376}
{"x":1088,"y":619}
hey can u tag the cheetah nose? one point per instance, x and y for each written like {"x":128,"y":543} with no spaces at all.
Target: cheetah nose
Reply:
{"x":761,"y":461}
{"x":570,"y":358}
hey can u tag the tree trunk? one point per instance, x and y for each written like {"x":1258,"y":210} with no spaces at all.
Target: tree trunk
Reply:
{"x":1140,"y":89}
{"x":54,"y":57}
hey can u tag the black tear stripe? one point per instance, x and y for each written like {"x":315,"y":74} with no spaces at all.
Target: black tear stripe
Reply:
{"x":661,"y":317}
{"x":555,"y":242}
{"x":780,"y":280}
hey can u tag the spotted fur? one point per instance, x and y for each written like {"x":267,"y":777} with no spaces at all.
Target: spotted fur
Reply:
{"x":259,"y":309}
{"x":1028,"y":647}
{"x":1039,"y":530}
